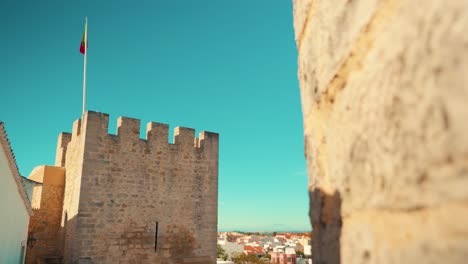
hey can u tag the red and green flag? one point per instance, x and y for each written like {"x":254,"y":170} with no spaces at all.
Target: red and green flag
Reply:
{"x":84,"y":51}
{"x":83,"y":40}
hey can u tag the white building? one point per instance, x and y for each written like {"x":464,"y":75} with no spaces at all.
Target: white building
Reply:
{"x":14,"y":204}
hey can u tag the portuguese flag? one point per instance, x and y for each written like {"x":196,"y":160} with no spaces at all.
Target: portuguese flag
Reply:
{"x":84,"y":39}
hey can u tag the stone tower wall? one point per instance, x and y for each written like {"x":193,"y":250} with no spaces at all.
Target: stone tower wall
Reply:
{"x":384,"y":87}
{"x":119,"y":187}
{"x":72,"y":152}
{"x":44,"y":225}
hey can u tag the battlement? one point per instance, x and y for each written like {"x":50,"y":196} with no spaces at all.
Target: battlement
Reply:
{"x":128,"y":130}
{"x":63,"y":140}
{"x":134,"y":183}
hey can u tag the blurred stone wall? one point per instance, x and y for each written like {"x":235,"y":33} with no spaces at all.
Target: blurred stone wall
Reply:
{"x":384,"y":88}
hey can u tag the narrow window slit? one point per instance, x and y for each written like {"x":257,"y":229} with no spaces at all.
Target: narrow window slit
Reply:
{"x":156,"y":238}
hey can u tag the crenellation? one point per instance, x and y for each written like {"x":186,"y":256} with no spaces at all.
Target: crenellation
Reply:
{"x":96,"y":124}
{"x":209,"y":141}
{"x":60,"y":156}
{"x":76,"y":130}
{"x":64,"y":139}
{"x":157,"y":133}
{"x":184,"y":136}
{"x":128,"y":128}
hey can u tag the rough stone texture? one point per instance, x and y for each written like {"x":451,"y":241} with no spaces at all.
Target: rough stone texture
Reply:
{"x":47,"y":200}
{"x":384,"y":90}
{"x":63,"y":140}
{"x":119,"y":187}
{"x":74,"y":165}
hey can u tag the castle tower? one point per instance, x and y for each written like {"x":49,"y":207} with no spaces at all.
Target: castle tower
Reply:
{"x":132,"y":200}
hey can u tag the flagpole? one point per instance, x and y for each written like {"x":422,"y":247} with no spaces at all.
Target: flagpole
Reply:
{"x":84,"y":71}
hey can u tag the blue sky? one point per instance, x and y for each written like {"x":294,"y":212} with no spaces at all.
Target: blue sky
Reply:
{"x":217,"y":65}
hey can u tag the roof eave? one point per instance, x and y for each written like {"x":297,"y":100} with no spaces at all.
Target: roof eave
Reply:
{"x":14,"y":168}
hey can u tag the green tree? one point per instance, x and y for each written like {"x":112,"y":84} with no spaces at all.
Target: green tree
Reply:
{"x":247,"y":259}
{"x":300,"y":254}
{"x":222,"y":253}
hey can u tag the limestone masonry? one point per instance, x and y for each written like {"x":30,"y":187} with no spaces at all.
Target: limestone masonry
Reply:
{"x":384,"y":88}
{"x":122,"y":199}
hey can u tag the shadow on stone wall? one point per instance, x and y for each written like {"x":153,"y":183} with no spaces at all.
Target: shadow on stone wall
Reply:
{"x":48,"y":248}
{"x":177,"y":245}
{"x":325,"y":217}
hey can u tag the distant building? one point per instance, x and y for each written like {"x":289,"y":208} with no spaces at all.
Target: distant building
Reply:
{"x":221,"y":240}
{"x":254,"y":250}
{"x":15,"y":205}
{"x":308,"y":250}
{"x":305,"y":240}
{"x":307,"y":243}
{"x":254,"y":238}
{"x":299,"y":247}
{"x":233,"y":236}
{"x":268,"y":239}
{"x":283,"y":255}
{"x":281,"y":239}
